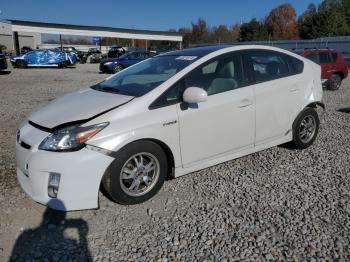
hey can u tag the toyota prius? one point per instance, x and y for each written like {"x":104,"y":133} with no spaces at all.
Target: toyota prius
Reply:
{"x":167,"y":116}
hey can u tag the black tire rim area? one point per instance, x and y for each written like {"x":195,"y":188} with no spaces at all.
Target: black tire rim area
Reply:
{"x":307,"y":129}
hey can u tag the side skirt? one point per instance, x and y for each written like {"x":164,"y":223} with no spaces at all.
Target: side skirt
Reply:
{"x":180,"y":171}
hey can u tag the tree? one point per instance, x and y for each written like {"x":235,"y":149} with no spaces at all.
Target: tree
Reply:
{"x":222,"y":34}
{"x":306,"y":22}
{"x":199,"y":31}
{"x":282,"y":23}
{"x":186,"y":36}
{"x":253,"y":31}
{"x":235,"y":32}
{"x":330,"y":20}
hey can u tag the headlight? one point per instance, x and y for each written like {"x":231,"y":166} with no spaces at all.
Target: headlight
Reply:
{"x":108,"y":63}
{"x":70,"y":138}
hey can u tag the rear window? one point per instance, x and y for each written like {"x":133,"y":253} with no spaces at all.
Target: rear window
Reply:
{"x":334,"y":57}
{"x":325,"y":58}
{"x":313,"y":57}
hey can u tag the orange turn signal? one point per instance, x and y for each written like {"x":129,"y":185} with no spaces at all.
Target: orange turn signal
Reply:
{"x":86,"y":135}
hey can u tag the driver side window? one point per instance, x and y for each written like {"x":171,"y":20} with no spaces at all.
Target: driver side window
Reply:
{"x":221,"y":74}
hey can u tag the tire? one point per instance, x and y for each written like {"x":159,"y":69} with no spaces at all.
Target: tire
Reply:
{"x":21,"y":64}
{"x":305,"y":129}
{"x":63,"y":64}
{"x":130,"y":187}
{"x":334,"y":82}
{"x":117,"y":69}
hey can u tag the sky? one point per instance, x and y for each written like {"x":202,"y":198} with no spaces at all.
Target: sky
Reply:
{"x":138,"y":14}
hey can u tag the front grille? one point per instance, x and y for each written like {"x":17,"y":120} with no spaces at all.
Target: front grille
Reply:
{"x":25,"y":145}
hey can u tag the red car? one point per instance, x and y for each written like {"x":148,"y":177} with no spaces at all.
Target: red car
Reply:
{"x":333,"y":64}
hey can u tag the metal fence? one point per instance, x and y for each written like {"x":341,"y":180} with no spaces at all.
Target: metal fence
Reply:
{"x":341,"y":44}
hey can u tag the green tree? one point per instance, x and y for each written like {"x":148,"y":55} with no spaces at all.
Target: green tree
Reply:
{"x":330,"y":20}
{"x":253,"y":31}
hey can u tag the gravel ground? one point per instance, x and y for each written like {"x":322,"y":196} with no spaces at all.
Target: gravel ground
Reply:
{"x":278,"y":204}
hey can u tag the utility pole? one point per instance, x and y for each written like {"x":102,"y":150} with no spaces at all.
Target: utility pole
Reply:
{"x":61,"y":42}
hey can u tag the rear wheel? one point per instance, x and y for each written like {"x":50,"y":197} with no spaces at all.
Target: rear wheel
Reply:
{"x":137,"y":174}
{"x":21,"y":64}
{"x":305,"y":129}
{"x":117,"y":68}
{"x":334,"y":82}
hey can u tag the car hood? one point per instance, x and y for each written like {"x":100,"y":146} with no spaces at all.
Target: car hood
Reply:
{"x":78,"y":106}
{"x":110,"y":60}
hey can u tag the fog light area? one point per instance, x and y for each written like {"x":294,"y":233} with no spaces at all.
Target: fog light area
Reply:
{"x":53,"y":185}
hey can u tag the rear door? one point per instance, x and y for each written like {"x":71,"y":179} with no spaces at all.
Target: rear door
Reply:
{"x":326,"y":65}
{"x":277,"y":94}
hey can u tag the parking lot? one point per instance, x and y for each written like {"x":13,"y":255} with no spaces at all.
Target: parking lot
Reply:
{"x":278,"y":204}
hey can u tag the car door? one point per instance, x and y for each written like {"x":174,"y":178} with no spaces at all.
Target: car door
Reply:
{"x":326,"y":65}
{"x":277,"y":94}
{"x":131,"y":60}
{"x":225,"y":122}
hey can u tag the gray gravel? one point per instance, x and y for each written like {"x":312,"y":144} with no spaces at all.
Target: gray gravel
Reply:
{"x":278,"y":204}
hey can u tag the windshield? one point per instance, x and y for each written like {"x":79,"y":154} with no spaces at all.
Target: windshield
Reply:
{"x":124,"y":55}
{"x":145,"y":76}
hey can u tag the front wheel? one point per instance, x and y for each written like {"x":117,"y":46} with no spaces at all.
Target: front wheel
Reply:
{"x":137,"y":173}
{"x":334,"y":82}
{"x":305,"y":129}
{"x":117,"y":68}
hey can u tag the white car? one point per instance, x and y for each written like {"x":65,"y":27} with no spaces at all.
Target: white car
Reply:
{"x":169,"y":115}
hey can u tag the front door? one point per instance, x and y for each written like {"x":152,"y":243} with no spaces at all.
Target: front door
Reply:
{"x":225,"y":122}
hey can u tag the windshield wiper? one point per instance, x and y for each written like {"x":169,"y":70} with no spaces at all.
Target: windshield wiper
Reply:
{"x":111,"y":90}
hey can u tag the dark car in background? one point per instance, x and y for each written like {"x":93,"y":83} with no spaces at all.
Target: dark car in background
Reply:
{"x":115,"y":51}
{"x":3,"y":62}
{"x":333,"y":65}
{"x":26,"y":49}
{"x":93,"y":55}
{"x":115,"y":65}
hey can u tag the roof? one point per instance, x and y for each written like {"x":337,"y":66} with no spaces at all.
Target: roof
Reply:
{"x":198,"y":51}
{"x":91,"y":28}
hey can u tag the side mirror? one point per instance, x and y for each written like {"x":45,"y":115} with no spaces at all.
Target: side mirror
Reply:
{"x":194,"y":95}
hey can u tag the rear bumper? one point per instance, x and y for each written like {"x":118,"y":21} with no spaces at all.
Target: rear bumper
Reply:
{"x":81,"y":173}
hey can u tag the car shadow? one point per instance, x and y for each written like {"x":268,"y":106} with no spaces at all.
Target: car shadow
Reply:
{"x":344,"y":110}
{"x":5,"y":72}
{"x":55,"y":239}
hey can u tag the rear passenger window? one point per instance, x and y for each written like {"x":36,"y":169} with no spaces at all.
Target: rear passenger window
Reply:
{"x":296,"y":65}
{"x":313,"y":57}
{"x":334,"y":57}
{"x":325,"y":58}
{"x":269,"y":65}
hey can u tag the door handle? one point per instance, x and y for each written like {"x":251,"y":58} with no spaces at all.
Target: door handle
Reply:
{"x":245,"y":103}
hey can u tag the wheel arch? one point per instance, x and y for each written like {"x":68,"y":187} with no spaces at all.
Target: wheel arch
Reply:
{"x":167,"y":150}
{"x":341,"y":74}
